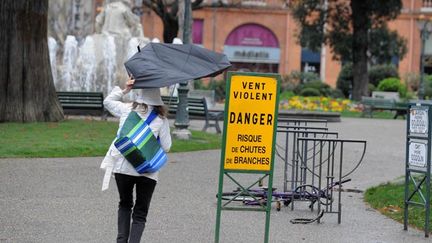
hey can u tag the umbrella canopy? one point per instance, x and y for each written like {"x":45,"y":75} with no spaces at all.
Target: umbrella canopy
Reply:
{"x":159,"y":64}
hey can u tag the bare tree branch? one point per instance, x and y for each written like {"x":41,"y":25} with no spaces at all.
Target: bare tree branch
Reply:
{"x":155,"y":5}
{"x":167,"y":10}
{"x":197,"y":4}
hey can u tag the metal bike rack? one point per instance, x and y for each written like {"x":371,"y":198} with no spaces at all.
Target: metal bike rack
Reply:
{"x":323,"y":168}
{"x":301,"y":121}
{"x":288,"y":152}
{"x":313,"y":160}
{"x":418,"y":160}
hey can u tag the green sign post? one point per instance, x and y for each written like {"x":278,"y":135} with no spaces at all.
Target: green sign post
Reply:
{"x":249,"y":136}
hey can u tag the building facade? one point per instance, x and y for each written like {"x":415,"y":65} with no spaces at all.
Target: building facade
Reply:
{"x":260,"y":36}
{"x":408,"y":24}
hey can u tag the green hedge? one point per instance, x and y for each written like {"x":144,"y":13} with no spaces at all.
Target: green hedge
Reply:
{"x":393,"y":85}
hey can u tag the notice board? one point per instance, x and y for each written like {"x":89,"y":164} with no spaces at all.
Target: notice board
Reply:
{"x":250,"y":123}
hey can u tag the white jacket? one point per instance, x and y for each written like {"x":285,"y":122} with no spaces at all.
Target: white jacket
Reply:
{"x":114,"y":162}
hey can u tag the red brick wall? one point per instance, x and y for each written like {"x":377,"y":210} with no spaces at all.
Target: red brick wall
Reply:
{"x":219,"y":22}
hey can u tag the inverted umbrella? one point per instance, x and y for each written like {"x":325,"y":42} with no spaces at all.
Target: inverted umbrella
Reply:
{"x":160,"y":64}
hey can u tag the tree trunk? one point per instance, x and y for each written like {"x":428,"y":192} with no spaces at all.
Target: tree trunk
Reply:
{"x":27,"y":92}
{"x":170,"y":28}
{"x":360,"y":47}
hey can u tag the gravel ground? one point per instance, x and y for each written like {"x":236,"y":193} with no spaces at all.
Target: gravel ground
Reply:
{"x":59,"y":200}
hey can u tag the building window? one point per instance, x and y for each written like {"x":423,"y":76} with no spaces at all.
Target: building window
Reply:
{"x":197,"y":31}
{"x":427,"y":3}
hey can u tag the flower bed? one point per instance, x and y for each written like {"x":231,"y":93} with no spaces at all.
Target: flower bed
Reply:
{"x":319,"y":104}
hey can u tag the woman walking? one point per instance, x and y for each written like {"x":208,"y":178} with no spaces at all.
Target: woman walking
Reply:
{"x":146,"y":101}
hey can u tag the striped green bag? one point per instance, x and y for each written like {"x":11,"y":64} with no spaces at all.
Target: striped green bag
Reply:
{"x":138,"y":144}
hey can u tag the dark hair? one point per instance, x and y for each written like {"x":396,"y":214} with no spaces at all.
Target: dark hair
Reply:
{"x":161,"y":110}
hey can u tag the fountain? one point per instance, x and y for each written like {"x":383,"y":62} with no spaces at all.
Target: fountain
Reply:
{"x":109,"y":57}
{"x":69,"y":63}
{"x":95,"y":63}
{"x":87,"y":65}
{"x":52,"y":47}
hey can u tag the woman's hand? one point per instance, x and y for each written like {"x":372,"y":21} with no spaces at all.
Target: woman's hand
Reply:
{"x":129,"y":85}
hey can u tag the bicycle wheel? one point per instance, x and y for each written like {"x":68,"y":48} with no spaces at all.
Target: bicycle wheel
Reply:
{"x":313,"y":194}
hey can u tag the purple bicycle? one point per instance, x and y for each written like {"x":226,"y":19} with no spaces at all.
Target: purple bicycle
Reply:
{"x":258,"y":196}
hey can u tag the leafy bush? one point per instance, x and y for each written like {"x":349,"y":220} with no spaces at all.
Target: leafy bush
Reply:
{"x":428,"y":87}
{"x":217,"y":85}
{"x":380,"y":72}
{"x":412,"y":81}
{"x":389,"y":84}
{"x":393,"y":85}
{"x":322,"y":88}
{"x":371,"y":88}
{"x":310,"y":92}
{"x":287,"y":83}
{"x":286,"y":95}
{"x":337,"y":93}
{"x":345,"y":79}
{"x":375,"y":73}
{"x":291,"y":81}
{"x":199,"y":84}
{"x":411,"y":95}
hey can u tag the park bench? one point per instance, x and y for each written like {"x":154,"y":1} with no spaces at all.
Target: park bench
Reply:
{"x":82,"y":103}
{"x":373,"y":103}
{"x":197,"y":108}
{"x":386,"y":95}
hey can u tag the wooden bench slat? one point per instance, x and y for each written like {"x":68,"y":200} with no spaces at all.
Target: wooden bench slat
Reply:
{"x":80,"y":97}
{"x":72,"y":93}
{"x":78,"y":101}
{"x":196,"y":107}
{"x":374,"y":103}
{"x":81,"y":100}
{"x":70,"y":102}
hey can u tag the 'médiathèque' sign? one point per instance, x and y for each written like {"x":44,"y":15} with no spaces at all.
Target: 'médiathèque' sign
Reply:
{"x":250,"y":122}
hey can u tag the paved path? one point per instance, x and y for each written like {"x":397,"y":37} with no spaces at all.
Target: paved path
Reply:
{"x":59,"y":200}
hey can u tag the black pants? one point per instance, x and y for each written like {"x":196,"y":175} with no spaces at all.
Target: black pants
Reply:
{"x":144,"y":190}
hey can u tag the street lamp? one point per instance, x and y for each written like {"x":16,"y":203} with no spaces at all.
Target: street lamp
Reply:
{"x":425,"y":31}
{"x":182,"y":117}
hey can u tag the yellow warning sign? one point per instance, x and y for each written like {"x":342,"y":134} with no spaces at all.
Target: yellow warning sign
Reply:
{"x":250,"y":123}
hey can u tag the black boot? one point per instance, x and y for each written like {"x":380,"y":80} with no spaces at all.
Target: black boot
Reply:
{"x":123,"y":222}
{"x":136,"y":232}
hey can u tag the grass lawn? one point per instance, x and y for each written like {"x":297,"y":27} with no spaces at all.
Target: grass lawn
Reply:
{"x":389,"y":200}
{"x":78,"y":138}
{"x":86,"y":138}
